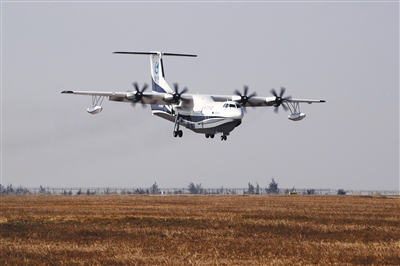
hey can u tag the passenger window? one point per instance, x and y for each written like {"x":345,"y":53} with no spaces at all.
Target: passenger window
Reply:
{"x":232,"y":106}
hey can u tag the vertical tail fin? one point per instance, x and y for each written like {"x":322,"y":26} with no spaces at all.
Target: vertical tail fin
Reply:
{"x":159,"y":84}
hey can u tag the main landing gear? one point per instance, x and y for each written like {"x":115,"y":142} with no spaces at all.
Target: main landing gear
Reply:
{"x":177,"y":132}
{"x":223,"y":136}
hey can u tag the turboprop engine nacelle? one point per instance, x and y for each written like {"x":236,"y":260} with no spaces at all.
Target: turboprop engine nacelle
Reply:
{"x":130,"y":96}
{"x":169,"y":98}
{"x":297,"y":117}
{"x":94,"y":109}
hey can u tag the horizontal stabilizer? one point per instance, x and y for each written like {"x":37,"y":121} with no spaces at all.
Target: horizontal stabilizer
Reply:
{"x":155,"y":53}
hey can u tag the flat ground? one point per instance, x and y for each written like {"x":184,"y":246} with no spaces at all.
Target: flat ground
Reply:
{"x":199,"y":230}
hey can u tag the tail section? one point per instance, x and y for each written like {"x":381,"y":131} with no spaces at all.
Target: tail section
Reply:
{"x":158,"y":82}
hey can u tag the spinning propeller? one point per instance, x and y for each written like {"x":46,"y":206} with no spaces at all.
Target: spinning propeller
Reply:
{"x":279,"y":99}
{"x":137,"y":96}
{"x":176,"y":96}
{"x":244,"y":99}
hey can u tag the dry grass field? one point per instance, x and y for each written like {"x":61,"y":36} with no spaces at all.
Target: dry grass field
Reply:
{"x":199,"y":230}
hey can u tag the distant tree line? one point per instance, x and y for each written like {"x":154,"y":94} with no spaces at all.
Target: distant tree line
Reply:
{"x":12,"y":190}
{"x":195,"y":189}
{"x":271,"y":189}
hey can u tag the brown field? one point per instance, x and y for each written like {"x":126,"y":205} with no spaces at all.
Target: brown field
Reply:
{"x":199,"y":230}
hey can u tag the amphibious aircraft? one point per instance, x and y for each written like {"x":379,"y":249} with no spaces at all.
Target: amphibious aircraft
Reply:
{"x":201,"y":113}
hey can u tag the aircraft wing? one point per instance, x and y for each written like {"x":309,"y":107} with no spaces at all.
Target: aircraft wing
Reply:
{"x":187,"y":100}
{"x":252,"y":101}
{"x":255,"y":101}
{"x":129,"y":97}
{"x":309,"y":101}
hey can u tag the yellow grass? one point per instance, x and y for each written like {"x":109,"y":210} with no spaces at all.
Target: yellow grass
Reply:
{"x":199,"y":230}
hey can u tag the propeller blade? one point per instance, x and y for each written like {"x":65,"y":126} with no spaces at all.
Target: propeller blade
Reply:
{"x":282,"y":92}
{"x":274,"y":92}
{"x":183,"y":91}
{"x":144,"y":105}
{"x":176,"y":87}
{"x":145,"y":86}
{"x":288,"y":98}
{"x":246,"y":89}
{"x":254,"y":94}
{"x":136,"y":86}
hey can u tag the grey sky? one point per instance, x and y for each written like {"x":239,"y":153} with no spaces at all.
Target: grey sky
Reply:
{"x":345,"y":53}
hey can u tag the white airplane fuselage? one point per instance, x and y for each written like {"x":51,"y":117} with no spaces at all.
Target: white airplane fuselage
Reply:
{"x":205,"y":116}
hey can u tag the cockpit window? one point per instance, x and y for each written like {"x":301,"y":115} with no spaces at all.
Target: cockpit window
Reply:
{"x":231,"y":105}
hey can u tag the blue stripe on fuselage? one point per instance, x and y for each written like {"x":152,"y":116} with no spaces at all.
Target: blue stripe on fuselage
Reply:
{"x":162,"y":108}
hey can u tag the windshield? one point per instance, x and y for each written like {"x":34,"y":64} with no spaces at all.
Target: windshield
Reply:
{"x":231,"y":105}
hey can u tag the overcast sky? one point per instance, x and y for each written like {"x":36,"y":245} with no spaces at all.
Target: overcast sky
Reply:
{"x":345,"y":53}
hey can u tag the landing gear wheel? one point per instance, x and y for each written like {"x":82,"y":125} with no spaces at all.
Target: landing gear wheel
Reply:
{"x":212,"y":136}
{"x":178,"y":133}
{"x":223,"y":137}
{"x":207,"y":136}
